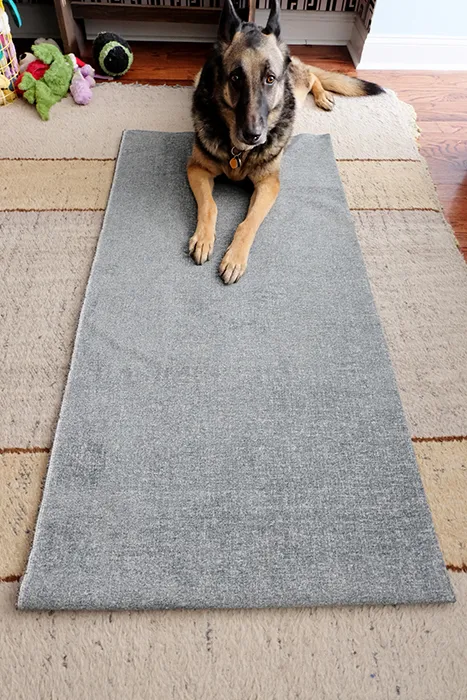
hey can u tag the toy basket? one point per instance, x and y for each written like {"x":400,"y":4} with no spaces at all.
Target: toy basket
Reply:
{"x":8,"y":60}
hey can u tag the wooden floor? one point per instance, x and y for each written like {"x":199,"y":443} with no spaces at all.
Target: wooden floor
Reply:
{"x":440,"y":100}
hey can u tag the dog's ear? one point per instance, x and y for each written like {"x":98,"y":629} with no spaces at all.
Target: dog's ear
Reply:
{"x":273,"y":25}
{"x":229,"y":23}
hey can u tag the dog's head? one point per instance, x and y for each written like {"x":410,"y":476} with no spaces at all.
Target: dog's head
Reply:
{"x":254,"y":65}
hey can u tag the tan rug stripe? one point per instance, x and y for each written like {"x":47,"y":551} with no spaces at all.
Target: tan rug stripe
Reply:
{"x":59,"y":185}
{"x":443,"y":466}
{"x":419,"y":282}
{"x":21,"y":478}
{"x":387,"y":185}
{"x":46,"y":261}
{"x":85,"y":185}
{"x":366,"y":653}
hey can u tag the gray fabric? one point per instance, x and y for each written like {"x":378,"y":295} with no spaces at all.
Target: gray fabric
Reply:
{"x":237,"y":446}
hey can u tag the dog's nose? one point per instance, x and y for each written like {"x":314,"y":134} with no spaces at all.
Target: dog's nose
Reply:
{"x":251,"y":137}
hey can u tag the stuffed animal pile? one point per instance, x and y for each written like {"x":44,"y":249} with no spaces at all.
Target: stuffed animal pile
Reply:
{"x":46,"y":76}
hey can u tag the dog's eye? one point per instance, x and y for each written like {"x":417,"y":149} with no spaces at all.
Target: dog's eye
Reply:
{"x":235,"y":78}
{"x":270,"y":79}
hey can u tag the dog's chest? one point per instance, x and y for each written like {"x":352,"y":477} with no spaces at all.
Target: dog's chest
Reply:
{"x":236,"y":174}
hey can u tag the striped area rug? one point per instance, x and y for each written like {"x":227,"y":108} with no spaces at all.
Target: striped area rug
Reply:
{"x":55,"y":179}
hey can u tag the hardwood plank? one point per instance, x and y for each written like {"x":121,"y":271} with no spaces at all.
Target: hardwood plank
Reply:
{"x":445,"y":143}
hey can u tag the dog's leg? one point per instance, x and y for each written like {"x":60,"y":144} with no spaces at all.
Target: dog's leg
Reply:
{"x":323,"y":98}
{"x":305,"y":81}
{"x":235,"y":260}
{"x":319,"y":82}
{"x":202,"y":241}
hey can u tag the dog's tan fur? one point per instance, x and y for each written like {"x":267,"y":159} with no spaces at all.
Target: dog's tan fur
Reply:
{"x":263,"y":172}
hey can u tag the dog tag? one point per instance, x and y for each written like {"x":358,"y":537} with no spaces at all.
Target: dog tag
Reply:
{"x":236,"y":161}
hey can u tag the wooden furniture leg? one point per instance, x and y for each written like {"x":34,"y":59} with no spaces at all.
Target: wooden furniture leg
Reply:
{"x":70,"y":31}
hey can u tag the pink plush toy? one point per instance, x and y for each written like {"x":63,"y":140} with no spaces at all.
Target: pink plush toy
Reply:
{"x":82,"y":81}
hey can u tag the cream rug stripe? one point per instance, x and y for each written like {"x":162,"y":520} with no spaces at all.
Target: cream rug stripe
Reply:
{"x":388,"y":185}
{"x":443,"y":466}
{"x":22,"y":477}
{"x":419,"y":282}
{"x":371,"y":653}
{"x":46,"y":258}
{"x":380,"y":128}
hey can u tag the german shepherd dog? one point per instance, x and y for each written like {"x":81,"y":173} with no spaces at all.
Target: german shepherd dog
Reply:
{"x":243,"y":111}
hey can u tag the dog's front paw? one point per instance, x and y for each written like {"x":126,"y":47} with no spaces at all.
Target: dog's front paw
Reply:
{"x":325,"y":101}
{"x":233,"y":265}
{"x":200,"y":246}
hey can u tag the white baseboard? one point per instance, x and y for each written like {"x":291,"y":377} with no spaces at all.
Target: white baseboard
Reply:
{"x":318,"y":28}
{"x":388,"y":52}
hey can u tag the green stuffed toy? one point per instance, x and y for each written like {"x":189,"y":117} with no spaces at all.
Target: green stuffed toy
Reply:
{"x":54,"y":84}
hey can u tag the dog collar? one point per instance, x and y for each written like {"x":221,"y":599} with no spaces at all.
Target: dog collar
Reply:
{"x":236,"y":160}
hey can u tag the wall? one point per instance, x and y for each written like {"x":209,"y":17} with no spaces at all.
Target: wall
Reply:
{"x":421,"y":17}
{"x":416,"y":35}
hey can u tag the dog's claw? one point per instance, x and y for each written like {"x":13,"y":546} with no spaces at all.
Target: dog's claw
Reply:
{"x":200,"y":247}
{"x":232,"y":267}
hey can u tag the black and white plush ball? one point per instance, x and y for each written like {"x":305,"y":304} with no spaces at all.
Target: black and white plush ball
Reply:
{"x":112,"y":54}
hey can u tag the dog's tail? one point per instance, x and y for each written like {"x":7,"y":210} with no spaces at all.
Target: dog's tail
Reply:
{"x":344,"y":84}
